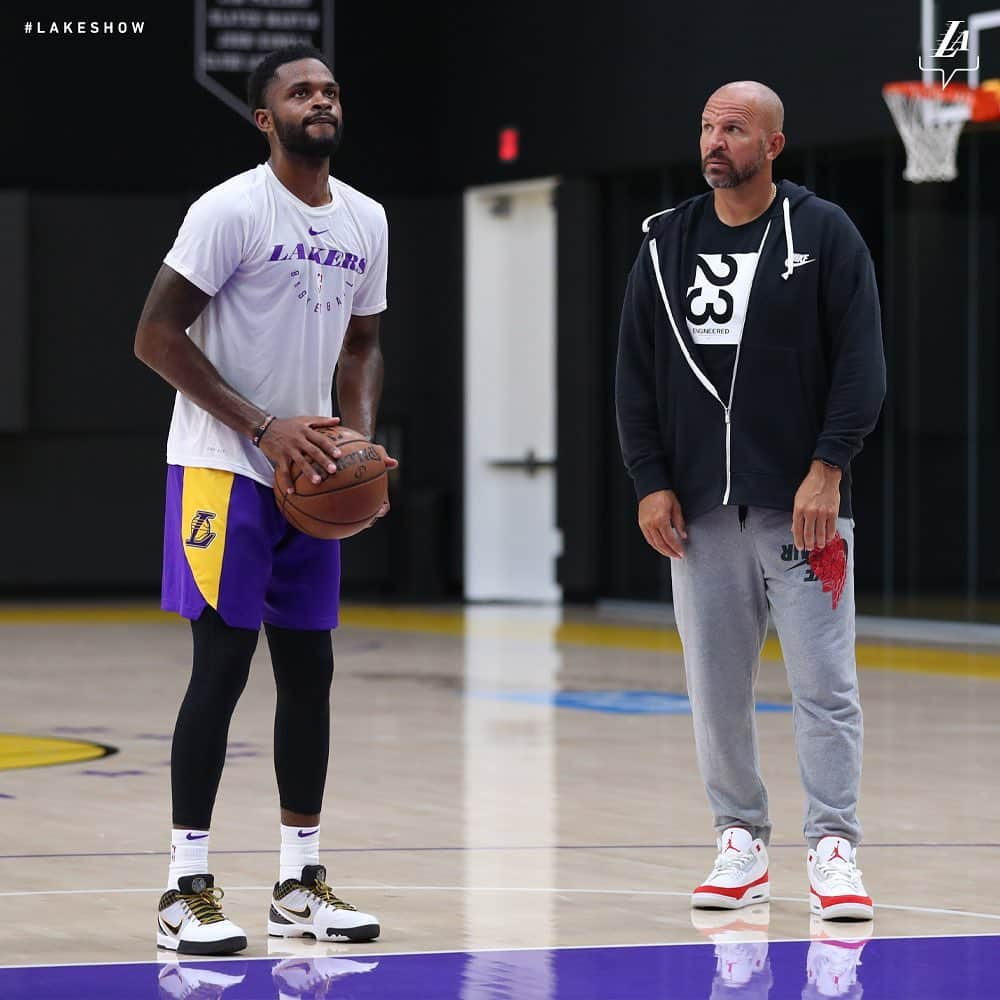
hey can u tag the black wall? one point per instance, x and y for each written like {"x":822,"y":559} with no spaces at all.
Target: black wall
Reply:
{"x":620,"y":86}
{"x":109,"y":139}
{"x":427,"y":86}
{"x":925,"y":481}
{"x":83,"y":478}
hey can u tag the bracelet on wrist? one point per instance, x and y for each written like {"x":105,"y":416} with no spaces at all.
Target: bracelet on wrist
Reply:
{"x":262,"y":429}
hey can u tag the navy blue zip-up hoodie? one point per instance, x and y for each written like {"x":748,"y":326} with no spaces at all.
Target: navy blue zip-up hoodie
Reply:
{"x":809,"y":371}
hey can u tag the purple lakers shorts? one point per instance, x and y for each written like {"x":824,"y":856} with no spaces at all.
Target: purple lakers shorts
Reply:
{"x":226,"y":544}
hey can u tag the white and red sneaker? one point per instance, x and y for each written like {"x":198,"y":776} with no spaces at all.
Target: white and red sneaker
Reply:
{"x":836,"y":891}
{"x":739,"y":876}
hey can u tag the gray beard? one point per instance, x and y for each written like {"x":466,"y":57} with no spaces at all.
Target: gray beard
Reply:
{"x":737,"y":177}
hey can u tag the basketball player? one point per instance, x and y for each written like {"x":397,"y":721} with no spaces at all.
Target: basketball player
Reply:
{"x":750,"y":369}
{"x":276,"y":278}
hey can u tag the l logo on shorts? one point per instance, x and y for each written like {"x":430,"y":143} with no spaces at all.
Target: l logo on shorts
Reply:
{"x":201,"y":535}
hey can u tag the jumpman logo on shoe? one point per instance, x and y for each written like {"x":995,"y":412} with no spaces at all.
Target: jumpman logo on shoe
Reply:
{"x":836,"y":853}
{"x":731,"y":846}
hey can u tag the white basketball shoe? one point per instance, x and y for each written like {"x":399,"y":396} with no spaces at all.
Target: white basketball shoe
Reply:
{"x":836,"y":891}
{"x":307,"y":907}
{"x":739,"y":876}
{"x":190,"y":920}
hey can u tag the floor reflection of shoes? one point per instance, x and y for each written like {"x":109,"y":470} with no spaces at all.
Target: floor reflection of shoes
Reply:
{"x":751,"y":921}
{"x":742,"y":969}
{"x":312,"y":977}
{"x":177,"y":981}
{"x":833,"y":959}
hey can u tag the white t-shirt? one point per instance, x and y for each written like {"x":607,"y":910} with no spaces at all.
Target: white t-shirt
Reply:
{"x":285,"y":279}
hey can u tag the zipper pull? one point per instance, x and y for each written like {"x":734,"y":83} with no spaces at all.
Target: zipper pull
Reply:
{"x":726,"y":408}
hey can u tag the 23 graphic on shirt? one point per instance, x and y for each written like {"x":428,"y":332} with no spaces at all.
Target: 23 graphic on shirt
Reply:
{"x":716,"y":303}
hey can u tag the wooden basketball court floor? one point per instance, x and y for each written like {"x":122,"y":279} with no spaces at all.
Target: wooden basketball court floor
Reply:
{"x":513,"y":791}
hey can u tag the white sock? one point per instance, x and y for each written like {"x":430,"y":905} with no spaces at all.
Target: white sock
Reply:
{"x":299,"y":847}
{"x":188,"y":854}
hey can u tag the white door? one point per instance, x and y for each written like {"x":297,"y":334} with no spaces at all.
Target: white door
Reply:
{"x":511,"y":539}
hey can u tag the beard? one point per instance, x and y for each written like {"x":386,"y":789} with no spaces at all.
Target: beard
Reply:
{"x":735,"y":175}
{"x":296,"y":139}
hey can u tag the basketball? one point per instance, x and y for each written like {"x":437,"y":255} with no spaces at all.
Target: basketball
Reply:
{"x":342,"y":503}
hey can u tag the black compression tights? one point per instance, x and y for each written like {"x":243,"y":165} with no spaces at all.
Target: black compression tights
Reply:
{"x":303,"y":671}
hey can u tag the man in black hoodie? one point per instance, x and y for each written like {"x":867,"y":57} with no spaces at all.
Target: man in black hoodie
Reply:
{"x":750,"y":369}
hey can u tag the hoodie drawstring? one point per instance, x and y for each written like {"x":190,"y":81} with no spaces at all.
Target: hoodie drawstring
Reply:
{"x":789,"y":246}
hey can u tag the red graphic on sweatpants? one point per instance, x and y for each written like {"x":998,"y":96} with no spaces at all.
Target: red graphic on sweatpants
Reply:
{"x":829,"y":566}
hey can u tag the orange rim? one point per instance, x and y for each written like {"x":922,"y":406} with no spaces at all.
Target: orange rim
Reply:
{"x":984,"y":104}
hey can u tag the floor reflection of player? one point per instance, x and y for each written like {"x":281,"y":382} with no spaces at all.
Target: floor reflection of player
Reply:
{"x":311,"y":978}
{"x":187,"y":982}
{"x":833,"y":960}
{"x":742,"y":968}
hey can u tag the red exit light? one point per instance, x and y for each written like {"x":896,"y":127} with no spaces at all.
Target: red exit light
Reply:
{"x":508,"y":144}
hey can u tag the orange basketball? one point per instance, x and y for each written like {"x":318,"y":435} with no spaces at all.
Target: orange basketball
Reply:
{"x":344,"y":502}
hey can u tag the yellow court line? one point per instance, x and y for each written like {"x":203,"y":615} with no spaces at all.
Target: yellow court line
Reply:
{"x":110,"y":614}
{"x":870,"y":655}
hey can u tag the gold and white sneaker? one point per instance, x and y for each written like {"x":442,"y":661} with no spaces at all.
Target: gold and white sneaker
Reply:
{"x":190,"y":920}
{"x":307,"y":907}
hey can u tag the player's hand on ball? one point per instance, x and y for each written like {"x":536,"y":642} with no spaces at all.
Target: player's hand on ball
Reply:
{"x":662,"y":523}
{"x":295,"y":441}
{"x":390,"y":463}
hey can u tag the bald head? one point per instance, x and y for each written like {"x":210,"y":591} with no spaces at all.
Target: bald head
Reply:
{"x":741,"y":134}
{"x":760,"y":103}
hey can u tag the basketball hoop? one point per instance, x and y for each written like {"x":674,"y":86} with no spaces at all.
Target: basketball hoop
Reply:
{"x":930,"y":118}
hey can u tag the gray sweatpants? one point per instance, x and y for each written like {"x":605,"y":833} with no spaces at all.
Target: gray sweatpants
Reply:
{"x":723,"y":589}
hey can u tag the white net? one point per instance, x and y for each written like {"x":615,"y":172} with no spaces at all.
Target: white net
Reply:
{"x":930,"y":120}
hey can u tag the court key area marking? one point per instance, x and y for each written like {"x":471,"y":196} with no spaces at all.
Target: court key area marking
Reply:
{"x":18,"y":750}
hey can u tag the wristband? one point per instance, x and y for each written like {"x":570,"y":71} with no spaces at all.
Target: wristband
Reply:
{"x":262,"y":429}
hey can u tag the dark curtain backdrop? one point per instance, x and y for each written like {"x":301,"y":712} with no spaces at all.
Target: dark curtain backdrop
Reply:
{"x":110,"y":140}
